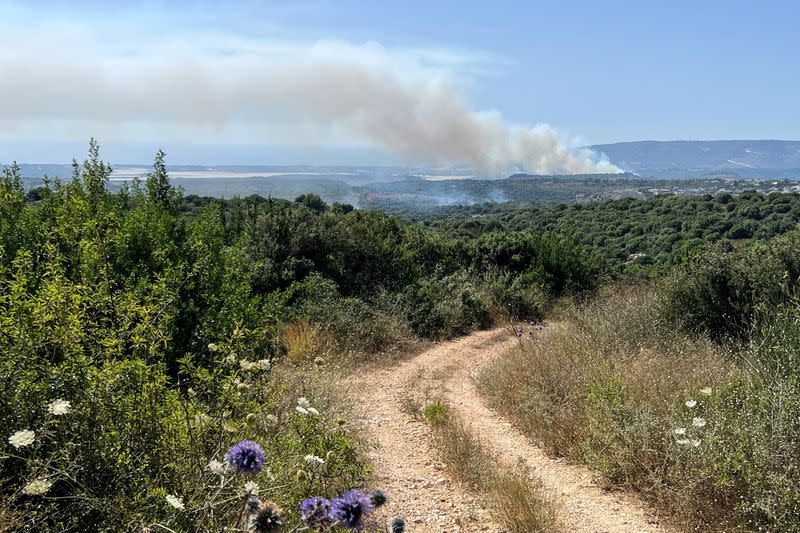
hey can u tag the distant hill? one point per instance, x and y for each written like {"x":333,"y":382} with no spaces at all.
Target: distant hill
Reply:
{"x":691,"y":158}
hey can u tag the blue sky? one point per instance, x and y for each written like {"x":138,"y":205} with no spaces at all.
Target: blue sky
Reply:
{"x":595,"y":71}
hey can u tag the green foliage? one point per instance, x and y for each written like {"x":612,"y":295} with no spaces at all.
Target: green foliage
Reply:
{"x":436,"y":413}
{"x":312,"y":201}
{"x":635,"y":237}
{"x":146,"y":323}
{"x":720,"y":293}
{"x":446,"y":307}
{"x":517,"y":296}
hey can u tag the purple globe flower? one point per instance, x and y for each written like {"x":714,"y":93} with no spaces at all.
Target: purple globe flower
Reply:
{"x":316,"y":511}
{"x":246,"y":456}
{"x":350,"y":509}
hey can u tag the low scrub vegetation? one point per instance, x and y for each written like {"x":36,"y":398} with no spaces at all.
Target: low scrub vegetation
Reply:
{"x":635,"y":237}
{"x":725,"y":294}
{"x":706,"y":431}
{"x":142,"y":336}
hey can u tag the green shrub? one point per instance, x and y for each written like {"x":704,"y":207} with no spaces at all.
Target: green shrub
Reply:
{"x":447,"y":307}
{"x":133,"y":351}
{"x":436,"y":413}
{"x":516,"y":297}
{"x":720,"y":293}
{"x":359,"y":327}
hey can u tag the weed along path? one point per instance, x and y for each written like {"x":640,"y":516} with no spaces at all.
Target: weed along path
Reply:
{"x":408,"y":467}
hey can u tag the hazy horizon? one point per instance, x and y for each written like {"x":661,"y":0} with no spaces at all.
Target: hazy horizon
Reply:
{"x":314,"y":82}
{"x":132,"y":154}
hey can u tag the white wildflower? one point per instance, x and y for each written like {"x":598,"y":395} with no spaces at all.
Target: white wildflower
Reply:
{"x":22,"y":438}
{"x":212,"y":347}
{"x":230,"y":359}
{"x":698,"y":422}
{"x":251,"y":487}
{"x":217,"y":467}
{"x":691,"y":403}
{"x":59,"y":407}
{"x":696,"y":442}
{"x":314,"y":459}
{"x":37,"y":487}
{"x":304,"y":407}
{"x":680,"y":431}
{"x":706,"y":391}
{"x":175,"y":502}
{"x":683,"y":442}
{"x":264,"y":364}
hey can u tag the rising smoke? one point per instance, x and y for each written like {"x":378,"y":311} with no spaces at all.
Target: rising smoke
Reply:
{"x":359,"y":92}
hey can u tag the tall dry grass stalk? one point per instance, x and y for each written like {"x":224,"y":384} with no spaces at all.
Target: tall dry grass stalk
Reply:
{"x":303,"y":340}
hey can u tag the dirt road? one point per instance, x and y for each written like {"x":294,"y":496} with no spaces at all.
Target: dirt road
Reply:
{"x":411,"y":473}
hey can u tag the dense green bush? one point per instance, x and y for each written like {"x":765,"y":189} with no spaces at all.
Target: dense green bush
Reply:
{"x":721,"y":292}
{"x":446,"y":307}
{"x":133,"y":352}
{"x":516,"y":296}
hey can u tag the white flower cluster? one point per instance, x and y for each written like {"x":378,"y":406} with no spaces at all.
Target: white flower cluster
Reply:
{"x":26,"y":437}
{"x":217,"y":467}
{"x":251,"y":487}
{"x":682,"y":433}
{"x":314,"y":460}
{"x":304,"y":407}
{"x":175,"y":502}
{"x":37,"y":487}
{"x":22,"y":438}
{"x":59,"y":407}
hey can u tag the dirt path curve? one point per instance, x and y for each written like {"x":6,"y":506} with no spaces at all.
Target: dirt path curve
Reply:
{"x":420,"y":490}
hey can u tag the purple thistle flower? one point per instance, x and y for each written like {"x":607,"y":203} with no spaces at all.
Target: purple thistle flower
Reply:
{"x":246,"y":456}
{"x":316,"y":511}
{"x":350,"y":508}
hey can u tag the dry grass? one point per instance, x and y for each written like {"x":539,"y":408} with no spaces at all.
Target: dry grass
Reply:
{"x":460,"y":449}
{"x":606,"y":388}
{"x":520,"y":500}
{"x":303,"y":340}
{"x":605,"y":357}
{"x":517,"y":498}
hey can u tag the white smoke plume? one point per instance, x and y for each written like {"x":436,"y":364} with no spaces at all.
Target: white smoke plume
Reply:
{"x":361,"y":92}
